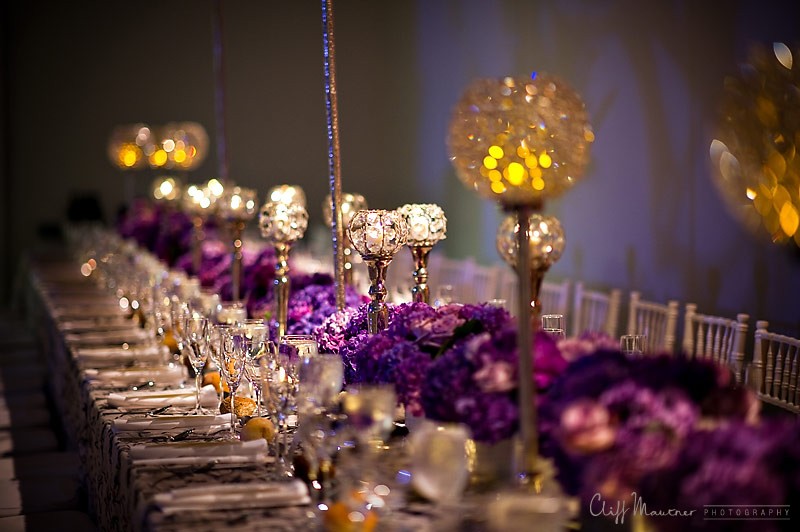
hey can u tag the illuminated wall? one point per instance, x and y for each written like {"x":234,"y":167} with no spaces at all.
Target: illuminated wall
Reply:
{"x":646,"y":216}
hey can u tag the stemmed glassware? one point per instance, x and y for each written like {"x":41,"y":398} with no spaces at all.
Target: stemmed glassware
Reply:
{"x":232,"y":368}
{"x":195,"y":348}
{"x":256,"y":345}
{"x":321,"y":380}
{"x":216,"y":333}
{"x":281,"y":371}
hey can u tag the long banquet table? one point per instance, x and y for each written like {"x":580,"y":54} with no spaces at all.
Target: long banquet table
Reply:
{"x":122,"y":493}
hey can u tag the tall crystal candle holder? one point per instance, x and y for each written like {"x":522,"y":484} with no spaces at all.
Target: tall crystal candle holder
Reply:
{"x":519,"y":141}
{"x":236,"y":207}
{"x":546,"y":244}
{"x":351,"y":204}
{"x":377,"y":235}
{"x":427,"y":225}
{"x":282,"y":225}
{"x":198,"y":203}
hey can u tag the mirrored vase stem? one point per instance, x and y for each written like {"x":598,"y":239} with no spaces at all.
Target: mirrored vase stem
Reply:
{"x":282,"y":283}
{"x":420,"y":291}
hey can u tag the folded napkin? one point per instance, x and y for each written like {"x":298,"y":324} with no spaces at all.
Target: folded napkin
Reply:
{"x":110,"y":324}
{"x":164,"y":374}
{"x":132,"y":334}
{"x":117,"y":355}
{"x":65,"y":312}
{"x":166,"y":423}
{"x":234,"y":496}
{"x":157,"y":398}
{"x":200,"y":452}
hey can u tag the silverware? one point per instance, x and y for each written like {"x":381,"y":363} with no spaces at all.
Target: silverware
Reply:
{"x":182,"y":435}
{"x":157,"y":411}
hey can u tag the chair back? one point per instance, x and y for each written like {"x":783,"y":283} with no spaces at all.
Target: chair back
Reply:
{"x":595,"y":311}
{"x":774,"y":369}
{"x":554,"y":297}
{"x":657,"y":321}
{"x":716,"y":338}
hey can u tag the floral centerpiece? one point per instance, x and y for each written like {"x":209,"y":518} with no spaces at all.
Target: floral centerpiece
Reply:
{"x":453,"y":363}
{"x":670,"y":432}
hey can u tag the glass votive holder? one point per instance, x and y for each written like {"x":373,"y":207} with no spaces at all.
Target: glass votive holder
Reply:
{"x":444,"y":295}
{"x":554,"y":325}
{"x":633,"y":344}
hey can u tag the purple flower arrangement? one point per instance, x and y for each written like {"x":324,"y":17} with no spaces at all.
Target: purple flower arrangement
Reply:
{"x":453,"y":363}
{"x":677,"y":432}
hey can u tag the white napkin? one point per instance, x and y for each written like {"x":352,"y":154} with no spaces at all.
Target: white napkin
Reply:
{"x":157,"y":398}
{"x":72,"y":311}
{"x":105,"y":356}
{"x":132,"y":334}
{"x":77,"y":326}
{"x":200,"y":452}
{"x":166,"y":423}
{"x":164,"y":374}
{"x":234,"y":496}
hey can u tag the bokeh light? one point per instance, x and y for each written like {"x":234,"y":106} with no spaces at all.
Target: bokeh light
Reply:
{"x":754,"y":153}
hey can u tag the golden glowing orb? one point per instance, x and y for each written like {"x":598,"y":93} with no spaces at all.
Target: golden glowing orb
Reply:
{"x":183,"y":146}
{"x":754,"y":153}
{"x":129,"y":146}
{"x":519,"y":140}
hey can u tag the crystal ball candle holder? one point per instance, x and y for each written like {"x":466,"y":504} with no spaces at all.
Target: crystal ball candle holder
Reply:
{"x":546,"y":238}
{"x":377,"y":235}
{"x":350,"y":205}
{"x":546,"y":244}
{"x":282,"y":224}
{"x":519,"y":140}
{"x":427,"y":225}
{"x":236,"y":207}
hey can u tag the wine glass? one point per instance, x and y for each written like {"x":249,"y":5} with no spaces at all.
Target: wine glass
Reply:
{"x":321,"y":379}
{"x":370,"y":412}
{"x":256,"y":346}
{"x":215,"y":339}
{"x":280,"y":369}
{"x":195,"y":348}
{"x":233,"y":360}
{"x":440,"y":462}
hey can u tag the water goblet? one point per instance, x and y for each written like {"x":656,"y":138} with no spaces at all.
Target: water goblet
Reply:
{"x":280,"y":375}
{"x":233,"y":360}
{"x":195,"y":348}
{"x":321,"y":380}
{"x":440,"y":462}
{"x":216,"y":334}
{"x":256,"y":346}
{"x":633,"y":344}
